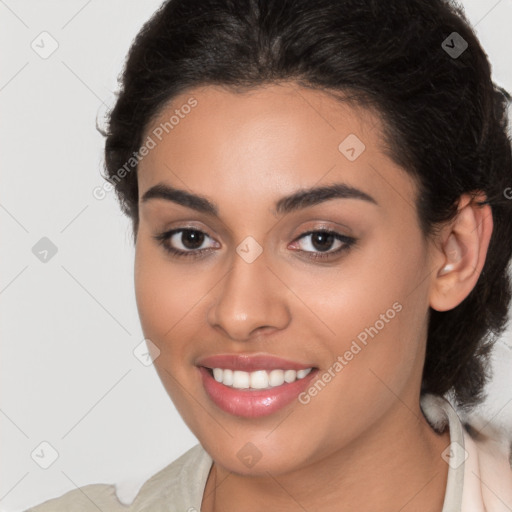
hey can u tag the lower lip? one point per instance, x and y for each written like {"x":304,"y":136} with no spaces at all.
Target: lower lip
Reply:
{"x":253,"y":403}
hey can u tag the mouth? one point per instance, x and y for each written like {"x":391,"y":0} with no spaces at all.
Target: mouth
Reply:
{"x":253,"y":386}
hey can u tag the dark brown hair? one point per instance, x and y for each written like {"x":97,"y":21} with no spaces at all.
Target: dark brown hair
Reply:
{"x":445,"y":119}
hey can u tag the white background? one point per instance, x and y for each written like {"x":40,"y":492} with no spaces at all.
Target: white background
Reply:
{"x":69,"y":326}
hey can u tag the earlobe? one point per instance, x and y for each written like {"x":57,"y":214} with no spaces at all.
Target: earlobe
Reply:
{"x":463,"y":254}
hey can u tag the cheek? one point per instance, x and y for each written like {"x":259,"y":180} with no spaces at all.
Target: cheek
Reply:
{"x":373,"y":313}
{"x":375,"y":307}
{"x":351,"y":295}
{"x":165,"y":293}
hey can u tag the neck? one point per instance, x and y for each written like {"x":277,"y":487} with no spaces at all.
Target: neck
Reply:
{"x":394,"y":465}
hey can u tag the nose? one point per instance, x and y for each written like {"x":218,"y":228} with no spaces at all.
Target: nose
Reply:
{"x":250,"y":300}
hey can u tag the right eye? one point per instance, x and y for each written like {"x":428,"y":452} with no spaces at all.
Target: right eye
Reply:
{"x":189,"y":239}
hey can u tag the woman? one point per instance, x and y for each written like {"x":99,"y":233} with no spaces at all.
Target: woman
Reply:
{"x":318,"y":193}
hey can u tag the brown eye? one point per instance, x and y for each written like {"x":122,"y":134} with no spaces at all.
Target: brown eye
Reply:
{"x":321,"y":241}
{"x":191,"y":239}
{"x":184,"y":242}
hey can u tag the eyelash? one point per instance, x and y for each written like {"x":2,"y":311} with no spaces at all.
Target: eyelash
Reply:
{"x":163,"y":239}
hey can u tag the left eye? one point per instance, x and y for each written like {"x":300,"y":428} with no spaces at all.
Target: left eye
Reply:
{"x":322,"y":241}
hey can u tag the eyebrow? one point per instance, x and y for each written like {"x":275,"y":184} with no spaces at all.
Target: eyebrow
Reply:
{"x":300,"y":199}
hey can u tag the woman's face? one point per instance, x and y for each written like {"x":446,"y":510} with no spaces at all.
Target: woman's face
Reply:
{"x":249,"y":284}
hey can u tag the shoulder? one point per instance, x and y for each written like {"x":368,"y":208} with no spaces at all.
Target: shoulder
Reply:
{"x":180,"y":484}
{"x":84,"y":499}
{"x":480,"y":474}
{"x":490,"y":472}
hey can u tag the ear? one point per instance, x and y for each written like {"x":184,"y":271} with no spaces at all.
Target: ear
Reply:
{"x":460,"y":253}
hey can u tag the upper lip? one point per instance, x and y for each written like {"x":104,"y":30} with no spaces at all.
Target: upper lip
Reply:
{"x":250,"y":362}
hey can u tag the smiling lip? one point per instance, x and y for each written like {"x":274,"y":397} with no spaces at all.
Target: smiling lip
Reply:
{"x":252,"y":403}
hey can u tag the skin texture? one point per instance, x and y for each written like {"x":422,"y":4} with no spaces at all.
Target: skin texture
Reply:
{"x":361,"y":443}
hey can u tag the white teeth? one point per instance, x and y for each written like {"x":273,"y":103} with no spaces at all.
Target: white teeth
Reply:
{"x":227,"y":377}
{"x":241,"y":380}
{"x":290,"y":376}
{"x":260,"y":379}
{"x":302,"y":373}
{"x":276,"y":378}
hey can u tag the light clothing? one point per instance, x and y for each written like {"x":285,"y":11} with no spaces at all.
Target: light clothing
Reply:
{"x":479,"y":477}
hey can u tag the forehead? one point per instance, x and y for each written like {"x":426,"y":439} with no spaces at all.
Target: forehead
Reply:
{"x":264,"y":143}
{"x":282,"y":112}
